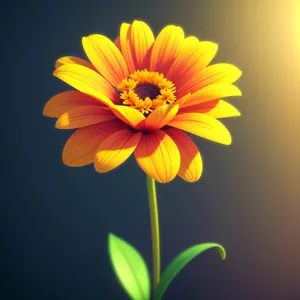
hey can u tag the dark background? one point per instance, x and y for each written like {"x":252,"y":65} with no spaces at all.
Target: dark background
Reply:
{"x":55,"y":219}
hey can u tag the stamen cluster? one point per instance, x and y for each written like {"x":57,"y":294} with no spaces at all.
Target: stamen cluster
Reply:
{"x":133,"y":90}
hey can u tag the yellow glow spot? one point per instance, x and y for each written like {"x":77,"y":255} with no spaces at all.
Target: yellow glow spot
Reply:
{"x":297,"y":23}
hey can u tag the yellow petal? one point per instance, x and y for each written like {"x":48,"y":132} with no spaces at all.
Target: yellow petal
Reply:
{"x":115,"y":149}
{"x":190,"y":61}
{"x":87,"y":81}
{"x":202,"y":108}
{"x":73,"y":60}
{"x":66,"y":101}
{"x":129,"y":115}
{"x":166,"y":48}
{"x":161,"y":116}
{"x":142,"y":39}
{"x":191,"y":161}
{"x":182,"y":100}
{"x":203,"y":126}
{"x":81,"y":146}
{"x":125,"y":42}
{"x":212,"y":92}
{"x":223,"y":110}
{"x":106,"y":57}
{"x":191,"y":42}
{"x":158,"y":156}
{"x":212,"y":74}
{"x":83,"y":116}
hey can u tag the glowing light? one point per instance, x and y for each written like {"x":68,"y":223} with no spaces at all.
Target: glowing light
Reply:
{"x":297,"y":22}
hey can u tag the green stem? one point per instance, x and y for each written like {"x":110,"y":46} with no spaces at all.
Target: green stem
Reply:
{"x":154,"y":230}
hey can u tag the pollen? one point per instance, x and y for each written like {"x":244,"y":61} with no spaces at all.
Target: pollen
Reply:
{"x":146,"y":91}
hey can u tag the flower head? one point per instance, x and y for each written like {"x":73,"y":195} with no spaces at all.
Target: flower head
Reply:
{"x":138,"y":95}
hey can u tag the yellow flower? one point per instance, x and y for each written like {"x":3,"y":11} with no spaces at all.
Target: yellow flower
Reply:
{"x":137,"y":95}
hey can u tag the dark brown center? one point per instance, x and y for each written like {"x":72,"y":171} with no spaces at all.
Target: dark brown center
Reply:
{"x":144,"y":90}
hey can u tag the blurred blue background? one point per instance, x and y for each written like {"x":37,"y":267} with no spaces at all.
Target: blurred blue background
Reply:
{"x":55,"y":219}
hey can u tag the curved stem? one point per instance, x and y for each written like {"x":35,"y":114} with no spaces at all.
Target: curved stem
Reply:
{"x":154,"y":230}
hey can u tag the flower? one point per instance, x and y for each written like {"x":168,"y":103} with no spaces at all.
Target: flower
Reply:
{"x":138,"y":95}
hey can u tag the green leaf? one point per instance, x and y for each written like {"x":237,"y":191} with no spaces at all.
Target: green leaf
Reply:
{"x":130,"y":268}
{"x":180,"y":262}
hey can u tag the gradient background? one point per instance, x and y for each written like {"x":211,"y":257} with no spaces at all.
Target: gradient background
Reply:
{"x":55,"y":219}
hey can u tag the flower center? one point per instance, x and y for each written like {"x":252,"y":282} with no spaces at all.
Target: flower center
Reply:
{"x":146,"y":91}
